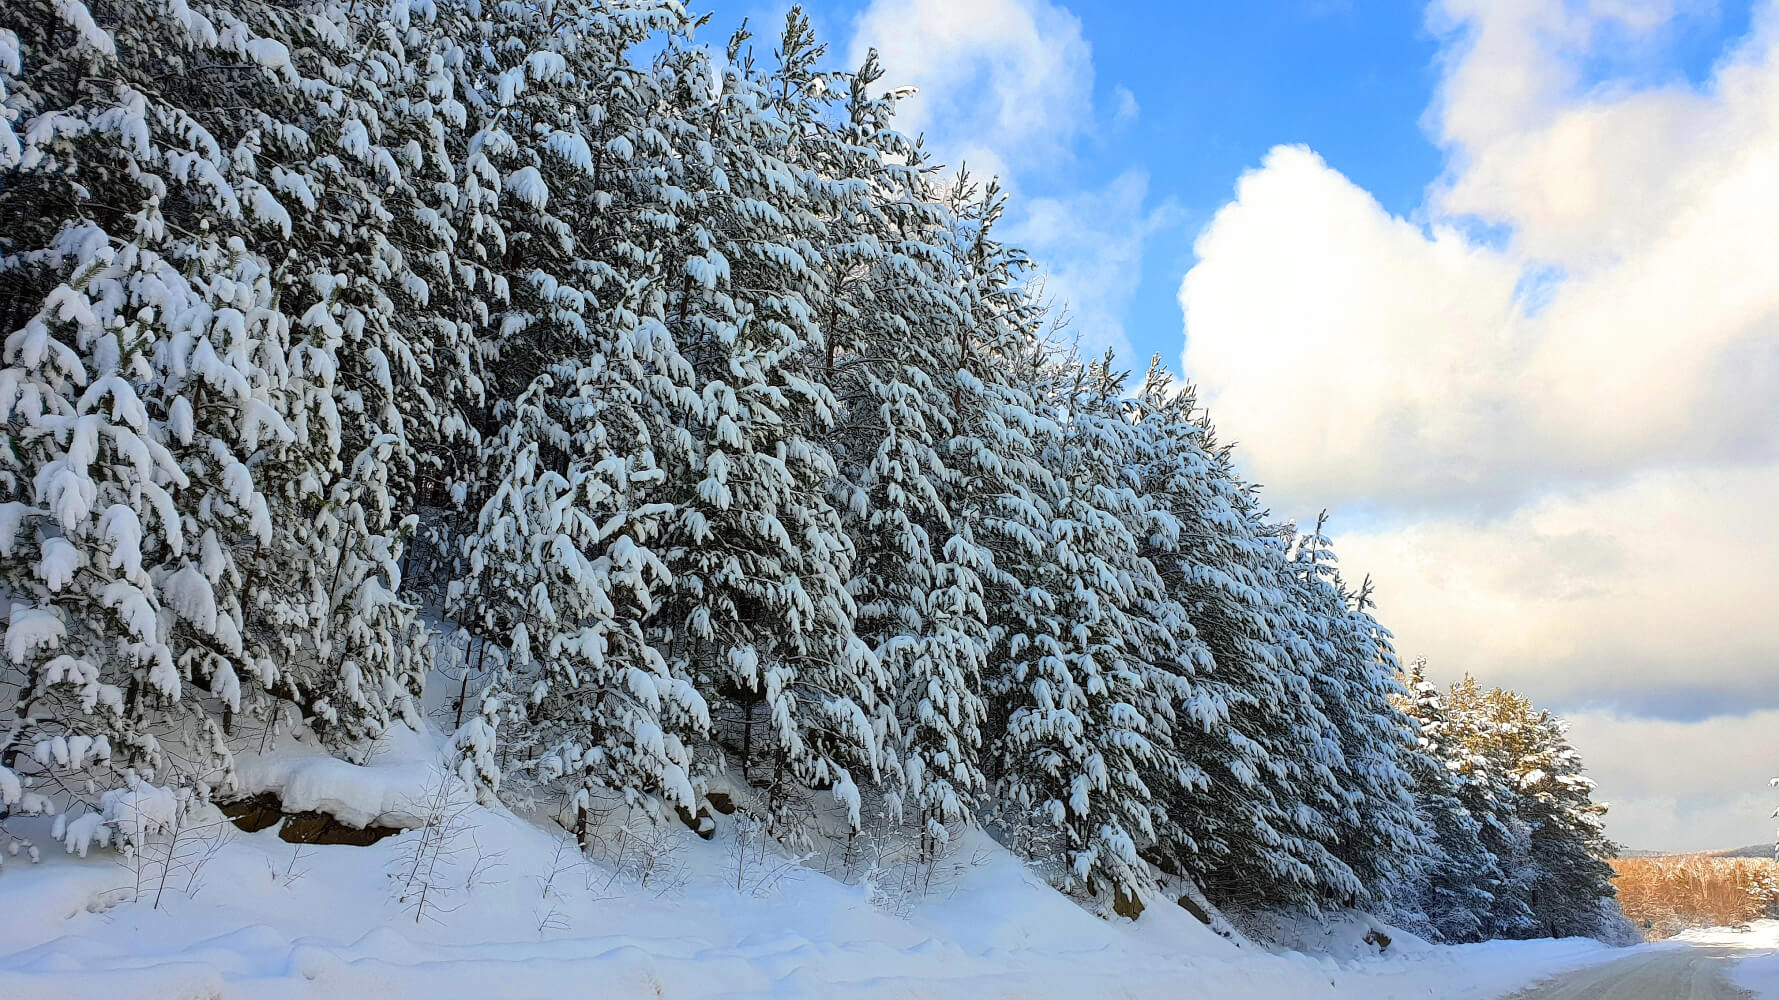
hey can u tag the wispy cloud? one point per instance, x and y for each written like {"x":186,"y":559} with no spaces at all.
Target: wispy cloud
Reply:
{"x":1006,"y":87}
{"x":1125,"y":108}
{"x":1091,"y":244}
{"x":1001,"y":82}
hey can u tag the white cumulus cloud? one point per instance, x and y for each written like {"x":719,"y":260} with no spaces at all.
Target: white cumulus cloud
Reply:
{"x":1547,"y":402}
{"x":1353,"y":354}
{"x":1631,"y":318}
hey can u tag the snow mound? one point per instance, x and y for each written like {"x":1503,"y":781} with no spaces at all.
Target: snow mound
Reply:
{"x":1345,"y":936}
{"x":392,"y":789}
{"x":1759,"y":935}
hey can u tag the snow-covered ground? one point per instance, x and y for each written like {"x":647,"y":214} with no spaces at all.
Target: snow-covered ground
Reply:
{"x":515,"y":912}
{"x":1759,"y":972}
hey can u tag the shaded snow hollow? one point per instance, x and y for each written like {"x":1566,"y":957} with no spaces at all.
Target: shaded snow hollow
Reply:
{"x":264,"y":919}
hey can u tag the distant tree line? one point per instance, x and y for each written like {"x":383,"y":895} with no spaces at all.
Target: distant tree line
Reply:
{"x":1665,"y":895}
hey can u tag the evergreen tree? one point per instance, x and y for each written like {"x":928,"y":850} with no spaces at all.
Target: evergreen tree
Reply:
{"x":1075,"y":682}
{"x":1546,"y":829}
{"x":891,"y":309}
{"x":1455,"y":892}
{"x":148,"y":396}
{"x":1488,"y":789}
{"x":1224,"y":826}
{"x":355,"y":145}
{"x":1377,"y":833}
{"x":564,"y":566}
{"x":757,"y":550}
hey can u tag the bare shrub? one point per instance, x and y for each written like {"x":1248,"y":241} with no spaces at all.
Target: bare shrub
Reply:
{"x":483,"y":865}
{"x":756,"y":868}
{"x":421,"y":872}
{"x":167,"y":847}
{"x":551,"y":882}
{"x":644,"y":854}
{"x":901,"y":864}
{"x":567,"y":858}
{"x":294,"y":869}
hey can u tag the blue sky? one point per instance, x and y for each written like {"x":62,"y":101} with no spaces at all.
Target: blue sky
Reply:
{"x":1220,"y":84}
{"x":1489,"y":279}
{"x":1217,"y":85}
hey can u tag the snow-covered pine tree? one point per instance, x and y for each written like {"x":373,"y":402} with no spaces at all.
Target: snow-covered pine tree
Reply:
{"x":564,"y":574}
{"x":1569,"y":846}
{"x":1563,"y":879}
{"x":145,"y":380}
{"x":1304,"y":745}
{"x":1221,"y":824}
{"x":1072,"y":650}
{"x":383,"y":291}
{"x":1001,"y":509}
{"x":1075,"y":744}
{"x":1377,"y":833}
{"x":1252,"y":825}
{"x":761,"y":617}
{"x":276,"y":180}
{"x":890,"y":302}
{"x":1488,"y":788}
{"x":1161,"y":644}
{"x":1453,"y":896}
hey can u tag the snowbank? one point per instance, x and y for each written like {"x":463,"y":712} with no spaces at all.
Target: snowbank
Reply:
{"x":335,"y":930}
{"x":515,"y":912}
{"x":1759,"y":972}
{"x":389,"y":789}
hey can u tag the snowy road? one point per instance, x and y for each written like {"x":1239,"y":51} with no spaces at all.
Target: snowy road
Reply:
{"x":1693,"y":972}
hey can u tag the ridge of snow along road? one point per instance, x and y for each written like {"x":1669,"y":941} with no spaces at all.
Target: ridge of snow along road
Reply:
{"x":814,"y":939}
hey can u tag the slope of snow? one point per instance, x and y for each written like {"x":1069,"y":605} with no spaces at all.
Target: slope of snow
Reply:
{"x":515,"y":912}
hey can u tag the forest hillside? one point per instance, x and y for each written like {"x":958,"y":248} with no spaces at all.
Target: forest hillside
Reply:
{"x":645,"y":438}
